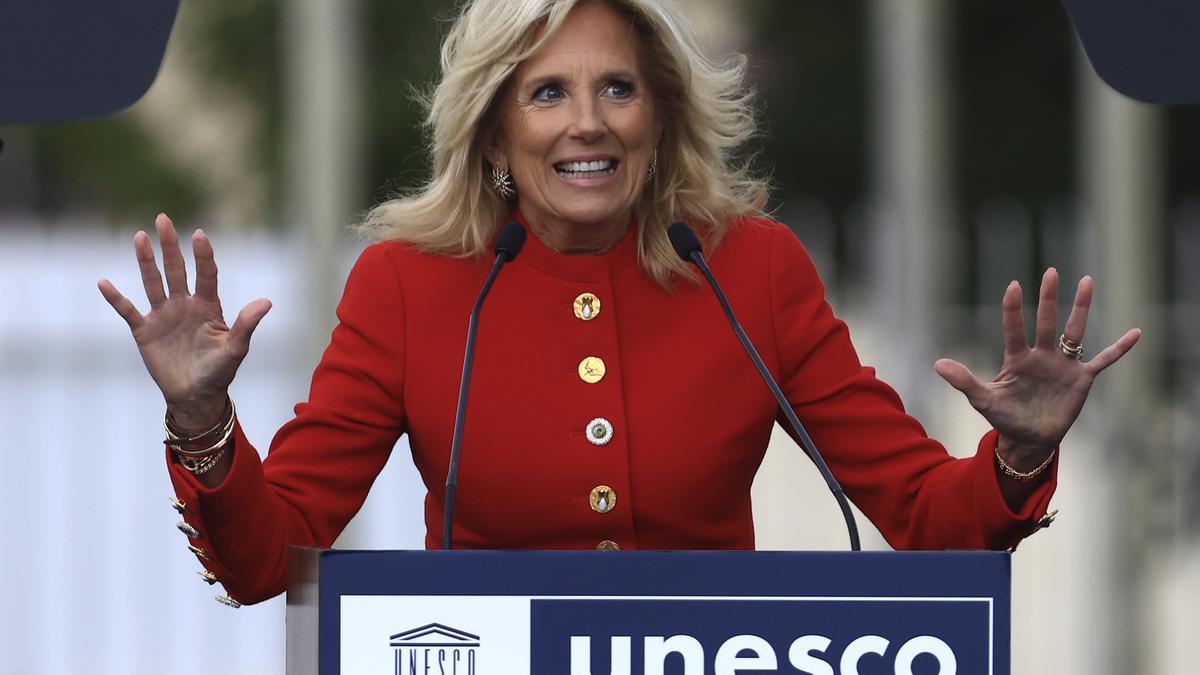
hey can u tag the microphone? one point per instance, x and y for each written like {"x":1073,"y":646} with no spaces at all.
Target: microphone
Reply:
{"x":685,"y":243}
{"x":508,"y":245}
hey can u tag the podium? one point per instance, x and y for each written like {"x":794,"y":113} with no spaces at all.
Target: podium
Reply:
{"x":651,"y":613}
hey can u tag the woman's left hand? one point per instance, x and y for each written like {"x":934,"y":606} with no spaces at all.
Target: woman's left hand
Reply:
{"x":1039,"y":391}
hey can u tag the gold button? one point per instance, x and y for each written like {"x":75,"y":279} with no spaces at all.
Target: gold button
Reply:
{"x":178,"y":505}
{"x":608,"y":545}
{"x":599,"y":431}
{"x":591,"y":369}
{"x":228,"y":601}
{"x":188,"y":529}
{"x":587,"y":306}
{"x":208,"y":576}
{"x":602,"y":499}
{"x":199,"y":552}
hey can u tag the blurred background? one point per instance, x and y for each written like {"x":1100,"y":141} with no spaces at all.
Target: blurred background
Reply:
{"x":927,"y":152}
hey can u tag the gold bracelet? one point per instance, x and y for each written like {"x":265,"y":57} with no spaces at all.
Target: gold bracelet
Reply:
{"x":208,"y":442}
{"x":213,"y":450}
{"x":174,"y":434}
{"x":1023,"y":476}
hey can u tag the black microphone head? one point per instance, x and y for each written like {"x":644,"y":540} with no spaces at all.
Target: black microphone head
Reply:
{"x":510,"y":241}
{"x":684,"y":240}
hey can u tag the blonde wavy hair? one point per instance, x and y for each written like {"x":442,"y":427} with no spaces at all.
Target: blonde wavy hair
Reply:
{"x":698,"y":179}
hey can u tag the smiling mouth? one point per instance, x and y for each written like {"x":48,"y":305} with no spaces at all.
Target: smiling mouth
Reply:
{"x":596,"y":169}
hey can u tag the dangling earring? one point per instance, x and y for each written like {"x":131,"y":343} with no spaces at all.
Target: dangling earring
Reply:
{"x":652,"y":167}
{"x":502,"y":183}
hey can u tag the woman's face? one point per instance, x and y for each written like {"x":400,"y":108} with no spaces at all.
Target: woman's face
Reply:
{"x":577,"y":124}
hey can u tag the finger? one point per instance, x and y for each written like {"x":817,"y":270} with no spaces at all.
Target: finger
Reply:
{"x":173,"y":265}
{"x":1114,"y":351}
{"x":206,"y":267}
{"x":961,"y":378}
{"x":247,"y":320}
{"x":121,"y":303}
{"x":1077,"y":320}
{"x":1047,"y":311}
{"x":151,"y":279}
{"x":1015,"y":341}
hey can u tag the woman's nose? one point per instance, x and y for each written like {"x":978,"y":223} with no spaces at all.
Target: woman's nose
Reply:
{"x":588,"y":124}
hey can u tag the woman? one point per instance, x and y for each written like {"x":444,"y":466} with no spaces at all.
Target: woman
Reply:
{"x":611,"y":406}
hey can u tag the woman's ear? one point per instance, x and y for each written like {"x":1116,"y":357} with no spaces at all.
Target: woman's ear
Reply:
{"x":493,"y":151}
{"x":495,"y":157}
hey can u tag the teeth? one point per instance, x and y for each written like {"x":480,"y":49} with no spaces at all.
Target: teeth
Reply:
{"x":580,"y":167}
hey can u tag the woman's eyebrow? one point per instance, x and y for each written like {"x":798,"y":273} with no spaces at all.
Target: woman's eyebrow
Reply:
{"x":618,"y":75}
{"x":539,"y":80}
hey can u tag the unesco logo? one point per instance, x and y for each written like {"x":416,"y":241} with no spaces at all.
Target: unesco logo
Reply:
{"x":434,"y":648}
{"x":806,"y":655}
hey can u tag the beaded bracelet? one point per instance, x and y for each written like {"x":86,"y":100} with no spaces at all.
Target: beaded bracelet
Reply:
{"x":1023,"y":476}
{"x":202,"y":465}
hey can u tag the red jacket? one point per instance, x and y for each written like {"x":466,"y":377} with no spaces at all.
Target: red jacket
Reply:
{"x":689,"y":416}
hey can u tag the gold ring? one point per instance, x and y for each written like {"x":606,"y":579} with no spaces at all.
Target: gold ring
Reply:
{"x":1070,"y":347}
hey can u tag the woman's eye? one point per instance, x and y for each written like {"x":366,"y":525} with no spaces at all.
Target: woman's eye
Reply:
{"x":548,"y":93}
{"x":619,"y":89}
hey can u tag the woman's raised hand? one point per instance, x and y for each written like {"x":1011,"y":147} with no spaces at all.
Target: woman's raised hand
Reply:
{"x":184,"y":341}
{"x":1039,"y":391}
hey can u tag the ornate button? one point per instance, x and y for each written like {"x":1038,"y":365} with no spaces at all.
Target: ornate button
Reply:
{"x":602,"y":499}
{"x":591,"y":369}
{"x":1048,"y":519}
{"x":188,"y":529}
{"x":199,"y":552}
{"x":599,"y":431}
{"x":587,"y":306}
{"x":228,"y":601}
{"x":608,"y":545}
{"x":178,"y":505}
{"x":208,"y":576}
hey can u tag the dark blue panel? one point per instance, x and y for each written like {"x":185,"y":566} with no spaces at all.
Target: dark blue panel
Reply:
{"x":64,"y":60}
{"x":704,"y":574}
{"x":1145,"y":49}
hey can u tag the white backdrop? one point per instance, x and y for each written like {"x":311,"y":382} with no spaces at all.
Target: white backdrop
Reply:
{"x":94,"y":576}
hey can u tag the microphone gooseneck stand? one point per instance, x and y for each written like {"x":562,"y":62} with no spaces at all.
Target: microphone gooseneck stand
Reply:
{"x":685,"y":243}
{"x":508,"y":245}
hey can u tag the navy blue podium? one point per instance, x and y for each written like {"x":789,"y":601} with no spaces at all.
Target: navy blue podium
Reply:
{"x":651,"y":613}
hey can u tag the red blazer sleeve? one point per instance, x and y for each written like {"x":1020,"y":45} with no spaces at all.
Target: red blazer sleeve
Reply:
{"x":905,"y":482}
{"x":321,"y":464}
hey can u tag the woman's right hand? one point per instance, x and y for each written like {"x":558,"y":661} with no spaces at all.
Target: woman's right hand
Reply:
{"x":184,"y":341}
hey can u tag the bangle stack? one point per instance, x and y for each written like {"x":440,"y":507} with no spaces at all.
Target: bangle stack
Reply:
{"x":201,"y":452}
{"x":1023,"y":476}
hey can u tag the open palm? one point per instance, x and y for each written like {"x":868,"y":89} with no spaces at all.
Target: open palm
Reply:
{"x":187,"y":347}
{"x":1039,"y":390}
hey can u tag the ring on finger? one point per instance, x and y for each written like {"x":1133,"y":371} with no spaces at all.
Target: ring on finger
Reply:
{"x":1070,"y":347}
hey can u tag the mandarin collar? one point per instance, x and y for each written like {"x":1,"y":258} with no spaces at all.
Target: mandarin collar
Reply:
{"x":597,"y":267}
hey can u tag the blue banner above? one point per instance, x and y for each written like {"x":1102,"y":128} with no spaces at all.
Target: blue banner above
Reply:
{"x":74,"y":60}
{"x":1145,"y":49}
